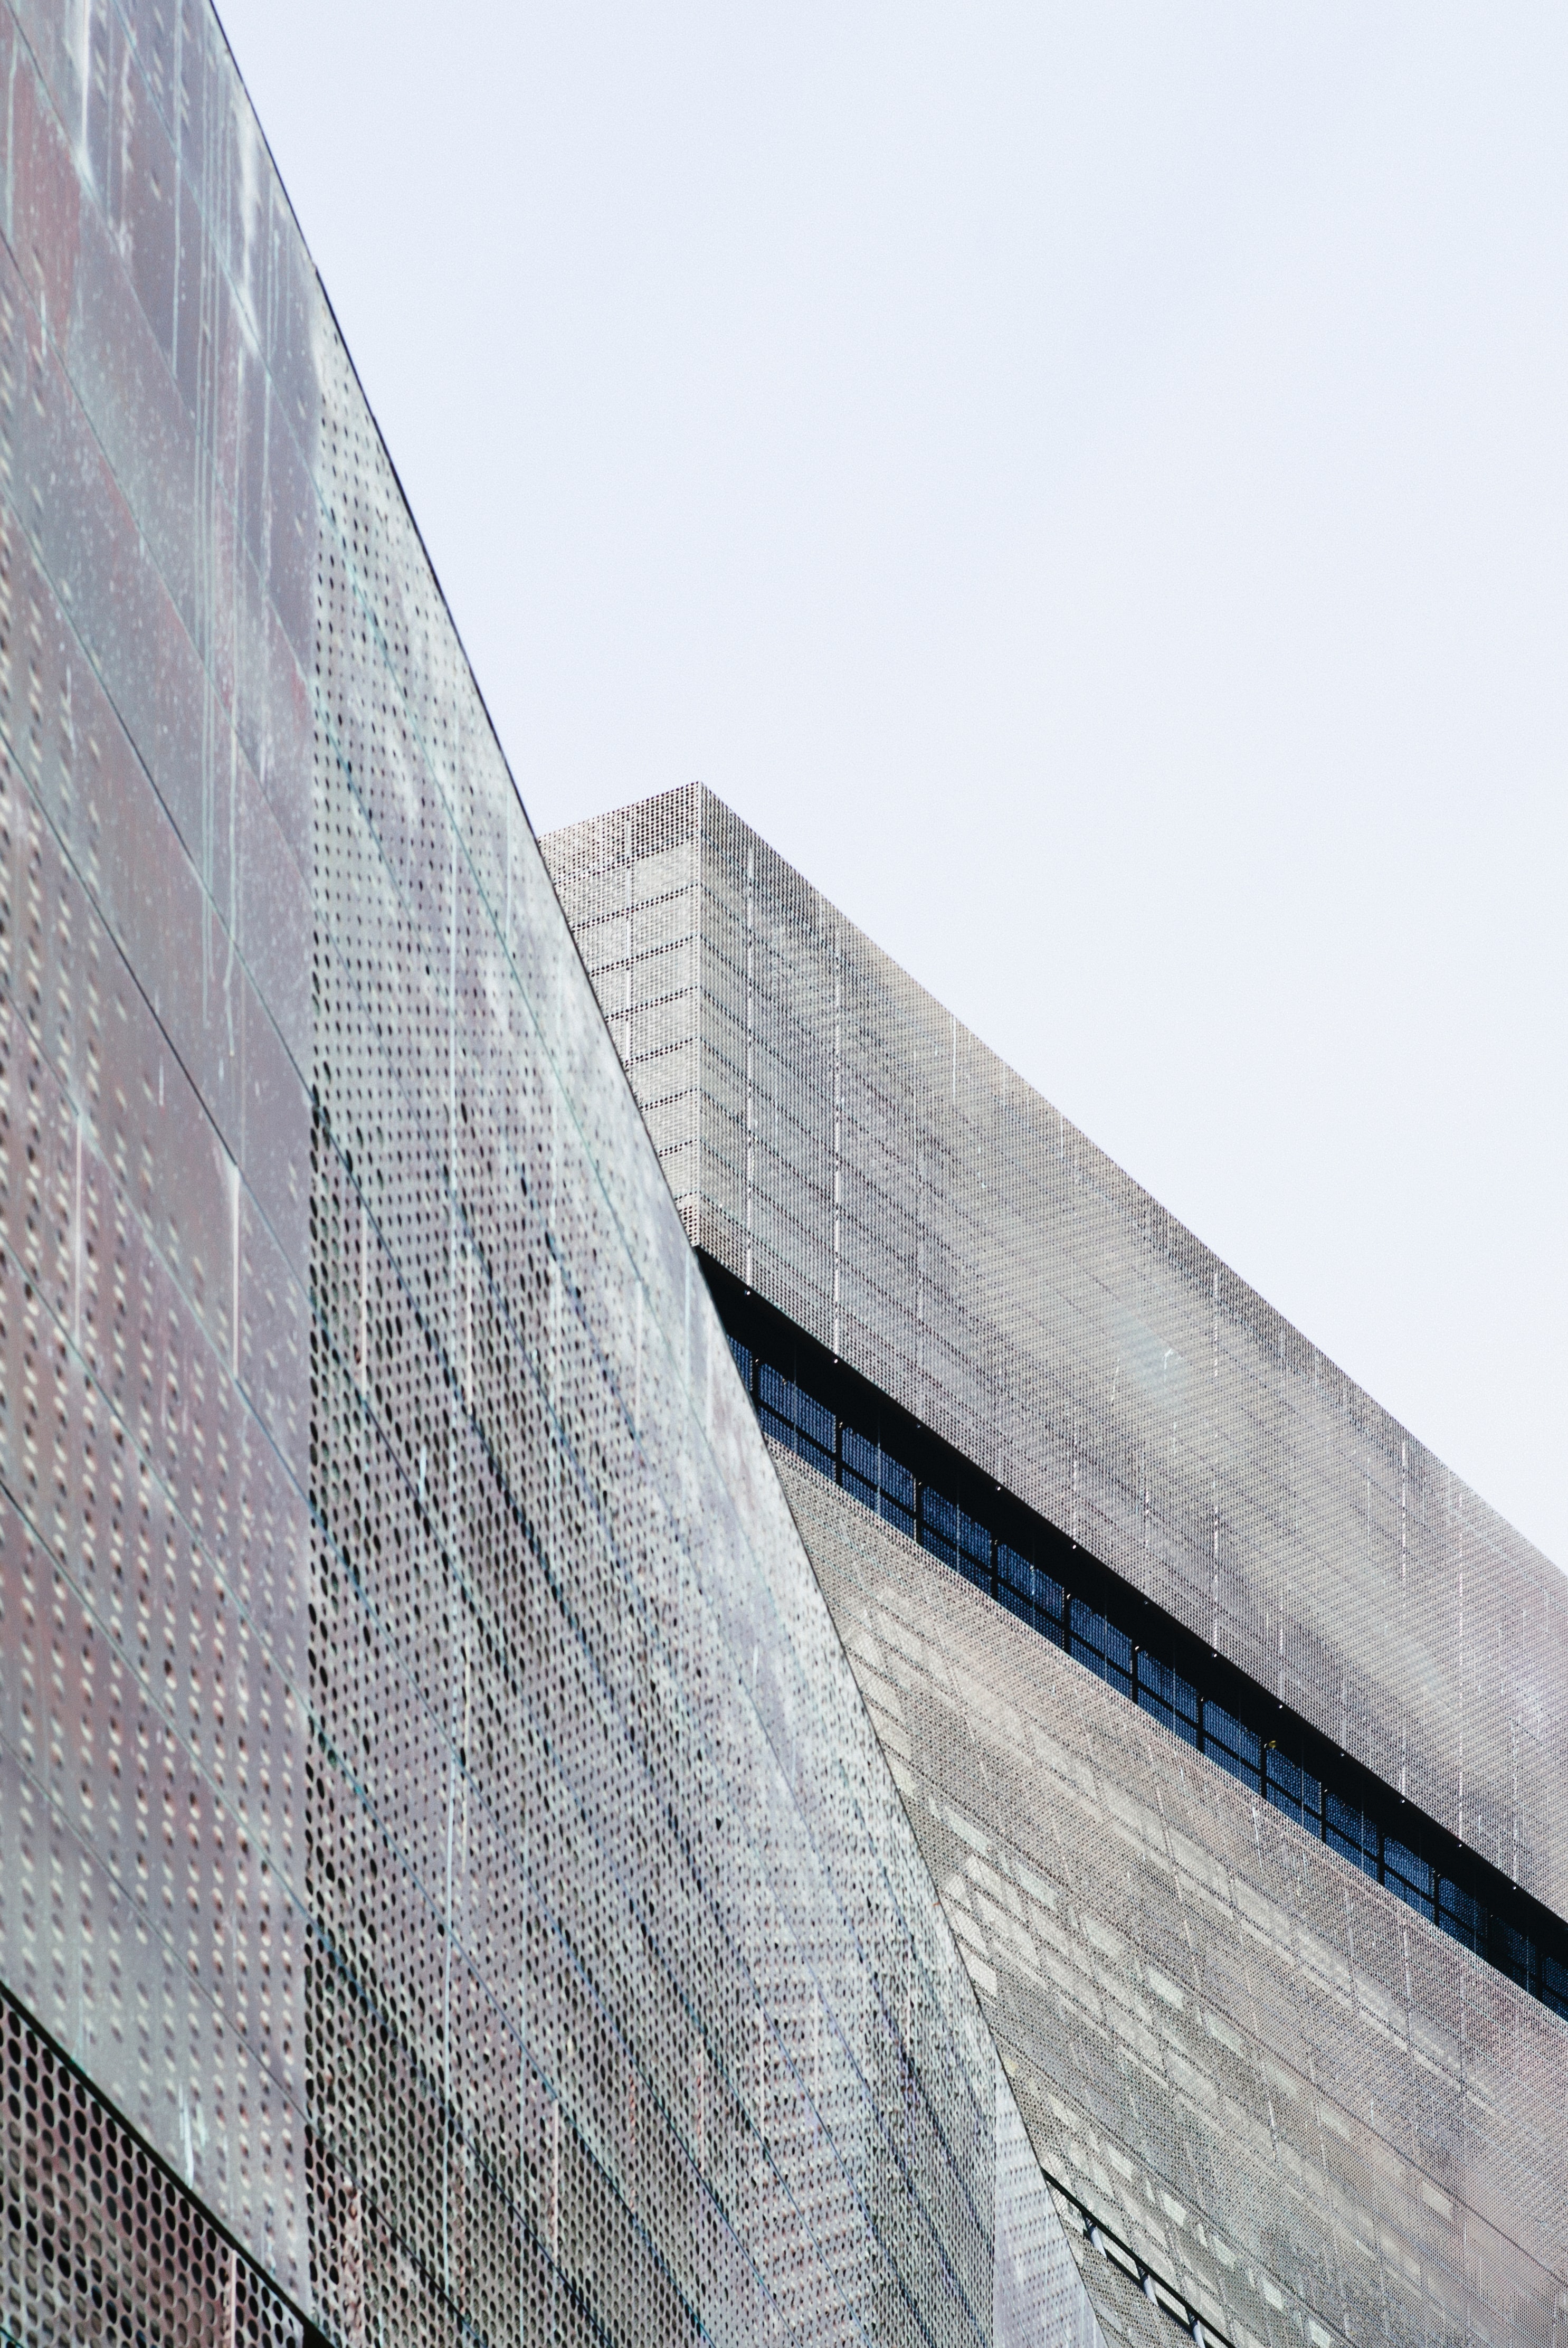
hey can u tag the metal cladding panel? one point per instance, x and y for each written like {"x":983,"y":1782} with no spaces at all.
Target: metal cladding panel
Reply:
{"x":111,"y":2247}
{"x":863,"y":1163}
{"x":1040,"y":2295}
{"x":435,"y":1810}
{"x":158,"y":412}
{"x":1302,"y":2104}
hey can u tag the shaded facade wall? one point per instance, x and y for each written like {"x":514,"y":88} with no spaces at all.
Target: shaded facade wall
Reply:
{"x":1314,"y":2111}
{"x":838,"y":1142}
{"x":434,"y":1809}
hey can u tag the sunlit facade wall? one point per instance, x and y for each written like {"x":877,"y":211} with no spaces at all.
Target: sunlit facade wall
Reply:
{"x":1320,"y":2111}
{"x":450,"y":1886}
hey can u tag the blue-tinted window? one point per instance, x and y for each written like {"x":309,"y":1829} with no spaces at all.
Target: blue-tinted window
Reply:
{"x":939,"y":1525}
{"x":1554,"y":1983}
{"x":815,"y":1420}
{"x":897,"y":1484}
{"x":895,"y":1513}
{"x":1029,"y":1592}
{"x":880,"y":1482}
{"x":1171,"y":1699}
{"x":1014,"y":1571}
{"x":775,"y":1427}
{"x":794,"y":1418}
{"x":1512,"y":1952}
{"x":974,"y":1548}
{"x":1107,"y":1651}
{"x":858,"y":1454}
{"x":743,"y":1355}
{"x":948,"y":1532}
{"x":1293,"y":1790}
{"x":1233,"y":1746}
{"x":897,"y":1496}
{"x":1408,"y":1875}
{"x":1461,"y":1916}
{"x":1042,"y":1589}
{"x":776,"y":1396}
{"x":1350,"y":1832}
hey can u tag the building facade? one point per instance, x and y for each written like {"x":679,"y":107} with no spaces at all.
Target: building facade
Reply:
{"x":555,"y":1785}
{"x":451,"y":1886}
{"x":1231,"y":1725}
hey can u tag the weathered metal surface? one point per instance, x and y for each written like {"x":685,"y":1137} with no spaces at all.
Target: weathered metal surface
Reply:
{"x":434,"y":1809}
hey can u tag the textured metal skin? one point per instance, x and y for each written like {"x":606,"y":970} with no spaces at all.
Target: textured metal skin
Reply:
{"x":158,"y":406}
{"x":101,"y":2242}
{"x":1039,"y":2296}
{"x":836,"y":1140}
{"x":436,"y":1809}
{"x":1306,"y":2106}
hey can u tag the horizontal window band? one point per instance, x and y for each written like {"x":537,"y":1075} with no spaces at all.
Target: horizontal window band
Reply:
{"x":848,"y":1430}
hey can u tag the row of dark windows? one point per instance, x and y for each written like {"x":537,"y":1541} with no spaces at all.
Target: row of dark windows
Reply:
{"x":811,"y":1407}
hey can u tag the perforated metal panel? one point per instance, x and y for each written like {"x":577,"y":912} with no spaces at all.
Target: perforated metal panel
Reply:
{"x":435,"y":1810}
{"x":1308,"y":2108}
{"x":99,"y":2243}
{"x":1301,"y":2103}
{"x":839,"y":1142}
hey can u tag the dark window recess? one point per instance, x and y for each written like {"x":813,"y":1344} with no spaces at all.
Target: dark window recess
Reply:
{"x":1173,"y":1700}
{"x":1094,"y":1640}
{"x":1352,"y":1832}
{"x":844,"y":1427}
{"x":1411,"y":1878}
{"x":1233,"y":1746}
{"x":1466,"y":1918}
{"x":951,"y":1534}
{"x":794,"y":1417}
{"x":1032,"y":1593}
{"x":1293,"y":1790}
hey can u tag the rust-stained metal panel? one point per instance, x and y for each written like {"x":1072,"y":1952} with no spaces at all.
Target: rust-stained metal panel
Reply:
{"x":436,"y":1814}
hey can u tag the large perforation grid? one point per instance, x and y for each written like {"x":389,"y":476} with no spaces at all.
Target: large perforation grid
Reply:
{"x":435,"y":1808}
{"x":154,"y":1019}
{"x":102,"y":2244}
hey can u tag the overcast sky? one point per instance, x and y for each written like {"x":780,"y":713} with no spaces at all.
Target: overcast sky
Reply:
{"x":1090,"y":485}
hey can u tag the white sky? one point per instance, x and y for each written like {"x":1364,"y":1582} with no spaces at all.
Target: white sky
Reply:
{"x":1090,"y":486}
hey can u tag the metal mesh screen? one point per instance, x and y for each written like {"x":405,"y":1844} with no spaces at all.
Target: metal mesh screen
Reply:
{"x":437,"y":1811}
{"x":1312,"y":2111}
{"x":1309,"y":2109}
{"x":820,"y":1410}
{"x":102,"y":2244}
{"x":849,"y":1149}
{"x":600,"y":2041}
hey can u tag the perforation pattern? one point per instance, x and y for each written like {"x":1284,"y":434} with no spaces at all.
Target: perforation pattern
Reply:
{"x":839,"y":1142}
{"x":582,"y":2053}
{"x":1003,"y":1549}
{"x":102,"y":2245}
{"x":1315,"y":2111}
{"x":1300,"y":2103}
{"x":437,"y":1812}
